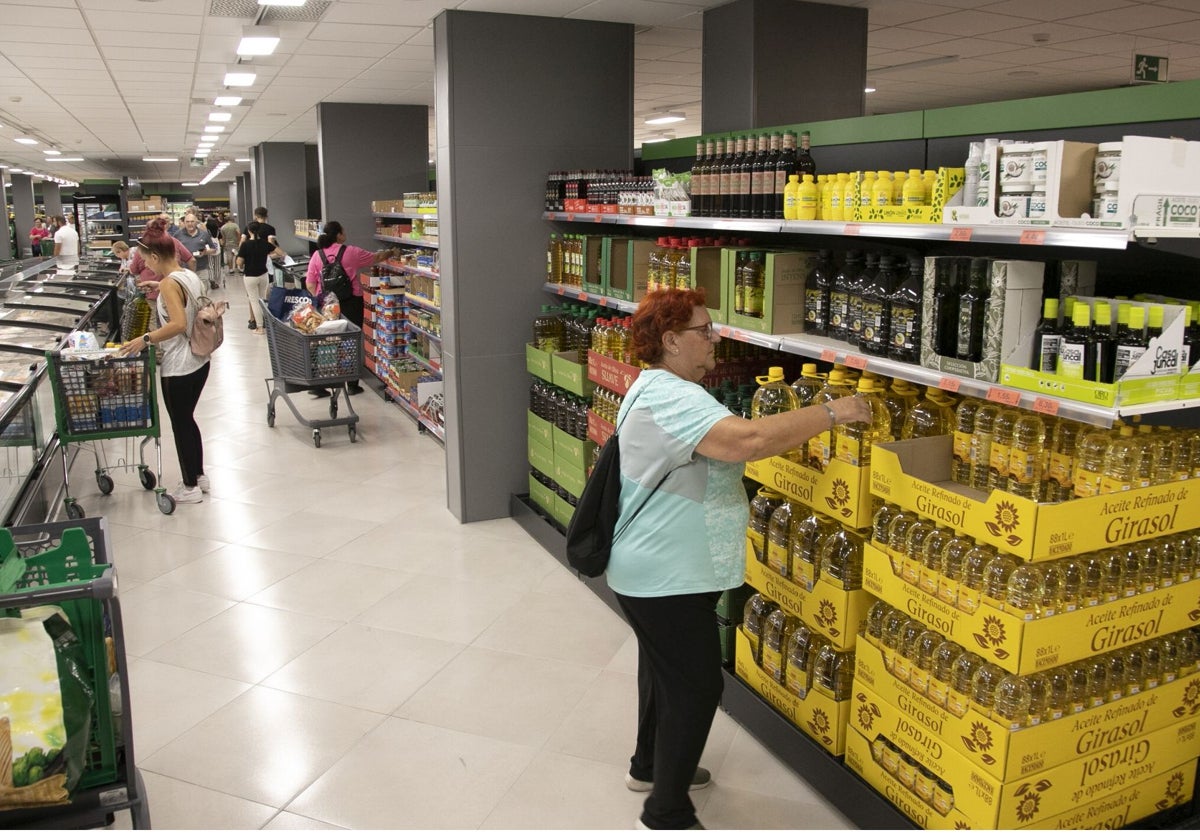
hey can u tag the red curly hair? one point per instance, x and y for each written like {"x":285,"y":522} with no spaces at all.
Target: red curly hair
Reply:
{"x":659,"y":313}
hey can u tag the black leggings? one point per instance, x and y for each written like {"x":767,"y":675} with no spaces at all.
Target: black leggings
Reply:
{"x":181,"y":394}
{"x":679,"y":688}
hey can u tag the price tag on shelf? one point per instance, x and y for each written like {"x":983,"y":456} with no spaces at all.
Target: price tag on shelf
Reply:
{"x":581,"y":295}
{"x":829,"y":355}
{"x":960,"y":234}
{"x":949,"y":384}
{"x":1046,"y":406}
{"x":603,"y":301}
{"x":736,"y":335}
{"x":725,"y":332}
{"x":570,"y":217}
{"x":1004,"y":395}
{"x":852,"y":230}
{"x":598,"y":218}
{"x":561,"y":290}
{"x":1033,"y":237}
{"x":856,"y":362}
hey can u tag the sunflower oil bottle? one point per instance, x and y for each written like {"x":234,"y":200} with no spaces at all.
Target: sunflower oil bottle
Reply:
{"x":1060,"y":481}
{"x":900,"y":399}
{"x":995,"y":580}
{"x":1089,"y":462}
{"x":914,"y":547}
{"x":931,"y":553}
{"x":954,"y":555}
{"x":930,"y":417}
{"x":1120,"y":467}
{"x":754,"y":619}
{"x":776,"y":632}
{"x":964,"y":431}
{"x":801,"y":649}
{"x":1011,"y":701}
{"x":821,"y":448}
{"x":1025,"y":590}
{"x":854,"y":440}
{"x":970,"y":588}
{"x":775,"y":396}
{"x":762,"y":506}
{"x":807,"y":536}
{"x":982,"y":438}
{"x":1027,"y":456}
{"x":1002,"y":438}
{"x":841,"y":560}
{"x":778,"y":530}
{"x":809,"y":383}
{"x":833,"y":670}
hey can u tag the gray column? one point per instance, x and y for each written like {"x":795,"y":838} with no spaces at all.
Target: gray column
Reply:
{"x":256,"y":180}
{"x":516,"y":97}
{"x":312,"y":179}
{"x":233,"y":196}
{"x":244,"y":204}
{"x":283,"y":191}
{"x":52,"y":198}
{"x":399,"y":161}
{"x":22,"y":199}
{"x":781,"y":62}
{"x":6,"y":245}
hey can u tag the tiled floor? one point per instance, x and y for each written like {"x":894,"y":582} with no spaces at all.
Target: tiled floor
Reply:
{"x":321,"y":644}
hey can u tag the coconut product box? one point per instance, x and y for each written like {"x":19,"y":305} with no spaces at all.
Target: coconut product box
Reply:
{"x":915,"y":474}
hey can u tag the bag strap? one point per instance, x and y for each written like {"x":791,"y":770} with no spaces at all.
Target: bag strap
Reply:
{"x":324,"y":259}
{"x":667,"y":475}
{"x":337,"y":258}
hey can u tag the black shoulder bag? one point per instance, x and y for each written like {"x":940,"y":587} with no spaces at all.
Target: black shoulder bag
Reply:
{"x":590,"y":533}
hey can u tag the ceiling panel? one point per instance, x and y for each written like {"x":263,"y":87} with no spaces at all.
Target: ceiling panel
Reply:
{"x":642,"y":12}
{"x":415,"y":13}
{"x":1133,"y":18}
{"x":900,"y":13}
{"x":362,"y":32}
{"x":1055,"y":10}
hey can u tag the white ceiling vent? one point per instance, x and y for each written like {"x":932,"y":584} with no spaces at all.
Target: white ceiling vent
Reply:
{"x":310,"y":12}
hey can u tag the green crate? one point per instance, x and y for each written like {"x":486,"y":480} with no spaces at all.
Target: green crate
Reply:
{"x":571,"y":450}
{"x":541,"y":495}
{"x":540,"y":430}
{"x":727,"y":630}
{"x":537,"y":362}
{"x":563,"y":511}
{"x":541,"y":458}
{"x":570,"y":375}
{"x":570,"y":477}
{"x":733,"y":602}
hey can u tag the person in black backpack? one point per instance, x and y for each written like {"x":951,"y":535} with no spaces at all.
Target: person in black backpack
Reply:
{"x":334,"y":267}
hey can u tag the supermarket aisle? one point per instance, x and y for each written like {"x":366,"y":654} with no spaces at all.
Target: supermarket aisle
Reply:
{"x":320,"y":644}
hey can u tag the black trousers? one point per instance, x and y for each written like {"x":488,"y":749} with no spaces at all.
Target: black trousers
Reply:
{"x":679,"y":688}
{"x":180,"y":395}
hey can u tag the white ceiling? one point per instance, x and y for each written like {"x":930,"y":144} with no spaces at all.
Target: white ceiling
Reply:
{"x":113,"y":81}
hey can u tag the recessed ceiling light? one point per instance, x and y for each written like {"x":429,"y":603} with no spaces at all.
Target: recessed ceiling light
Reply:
{"x":204,"y":146}
{"x":281,"y":2}
{"x":241,"y":160}
{"x":28,"y":141}
{"x":868,"y":90}
{"x":68,"y":160}
{"x":51,"y":152}
{"x":655,"y":140}
{"x":665,"y":117}
{"x":258,"y":40}
{"x":236,"y":77}
{"x":160,"y":160}
{"x":210,"y":137}
{"x":213,"y":129}
{"x":190,"y":184}
{"x":220,"y":116}
{"x":16,"y":171}
{"x":227,"y":101}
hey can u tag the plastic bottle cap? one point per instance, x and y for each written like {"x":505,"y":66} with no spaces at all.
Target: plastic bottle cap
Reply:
{"x":774,"y":374}
{"x":808,"y":370}
{"x":1081,"y":314}
{"x":793,"y":179}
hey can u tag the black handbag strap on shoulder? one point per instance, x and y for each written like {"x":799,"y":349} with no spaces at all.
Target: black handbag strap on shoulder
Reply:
{"x":337,"y":258}
{"x":648,"y":496}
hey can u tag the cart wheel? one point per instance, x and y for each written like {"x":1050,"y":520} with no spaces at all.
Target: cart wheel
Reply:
{"x":105,"y":483}
{"x":74,"y":511}
{"x":166,"y":503}
{"x":148,"y":478}
{"x":353,"y":433}
{"x":271,"y":418}
{"x":317,"y":438}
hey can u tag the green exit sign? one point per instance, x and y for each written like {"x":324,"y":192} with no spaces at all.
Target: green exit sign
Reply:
{"x":1149,"y":68}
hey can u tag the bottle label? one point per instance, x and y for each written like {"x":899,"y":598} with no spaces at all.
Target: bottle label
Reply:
{"x":837,"y":309}
{"x":772,"y":663}
{"x":962,"y":447}
{"x":1023,"y":465}
{"x":966,"y":328}
{"x":1071,"y":359}
{"x":754,"y":301}
{"x":781,"y":179}
{"x":777,"y":558}
{"x":904,"y":324}
{"x":871,"y":320}
{"x":854,"y":315}
{"x":849,"y":449}
{"x":797,"y":681}
{"x":998,"y":458}
{"x":758,"y":182}
{"x":1113,"y":484}
{"x":1048,"y":353}
{"x":819,"y":450}
{"x":758,"y":543}
{"x":1087,"y":483}
{"x":814,"y":308}
{"x":1126,"y":356}
{"x":1060,"y":468}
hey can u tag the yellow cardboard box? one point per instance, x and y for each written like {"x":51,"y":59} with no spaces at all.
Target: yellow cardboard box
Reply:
{"x":915,"y":474}
{"x":838,"y":614}
{"x":947,"y":184}
{"x":1022,"y":647}
{"x":1117,"y":809}
{"x":990,"y":803}
{"x":1011,"y":754}
{"x":842,"y":492}
{"x":818,"y":715}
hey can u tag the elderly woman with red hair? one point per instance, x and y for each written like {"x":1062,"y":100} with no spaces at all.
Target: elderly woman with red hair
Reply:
{"x":687,"y":544}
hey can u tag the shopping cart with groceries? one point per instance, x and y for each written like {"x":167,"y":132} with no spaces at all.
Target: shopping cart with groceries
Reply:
{"x":100,"y":396}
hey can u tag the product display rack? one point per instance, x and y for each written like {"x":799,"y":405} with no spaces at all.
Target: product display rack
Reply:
{"x":843,"y":788}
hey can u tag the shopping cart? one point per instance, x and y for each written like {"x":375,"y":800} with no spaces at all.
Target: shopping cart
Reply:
{"x":300,"y":361}
{"x":98,"y":397}
{"x":67,"y":564}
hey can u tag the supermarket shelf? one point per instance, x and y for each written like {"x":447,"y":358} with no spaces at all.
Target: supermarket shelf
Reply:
{"x":413,"y":269}
{"x":431,"y":336}
{"x":423,"y":419}
{"x":423,"y":303}
{"x":436,"y":430}
{"x":430,"y":216}
{"x":425,"y":363}
{"x":600,"y":300}
{"x":305,"y":238}
{"x":402,"y":240}
{"x":988,"y":234}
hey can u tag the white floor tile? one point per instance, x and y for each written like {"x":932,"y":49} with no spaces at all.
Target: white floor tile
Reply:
{"x":178,"y":805}
{"x":235,"y":571}
{"x":564,"y":792}
{"x":585,"y":632}
{"x":440,"y":608}
{"x":287,"y":821}
{"x":168,"y":700}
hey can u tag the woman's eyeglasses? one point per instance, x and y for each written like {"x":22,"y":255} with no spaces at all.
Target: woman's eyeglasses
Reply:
{"x":707,"y":330}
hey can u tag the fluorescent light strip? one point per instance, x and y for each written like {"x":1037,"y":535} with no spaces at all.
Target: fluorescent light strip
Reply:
{"x":227,"y":101}
{"x":213,"y":129}
{"x":258,"y":40}
{"x":51,"y":152}
{"x":26,"y":141}
{"x":160,"y":160}
{"x":239,"y":78}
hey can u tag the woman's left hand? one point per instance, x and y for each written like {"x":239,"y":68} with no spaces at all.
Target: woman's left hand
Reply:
{"x":132,"y":347}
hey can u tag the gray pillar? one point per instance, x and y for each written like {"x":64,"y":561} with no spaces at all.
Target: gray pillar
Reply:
{"x":233,"y":195}
{"x":564,"y":100}
{"x":399,"y":161}
{"x":312,"y":178}
{"x":244,"y":205}
{"x":256,"y":182}
{"x":52,"y":198}
{"x":22,"y":199}
{"x":283,"y":191}
{"x":6,"y":244}
{"x":781,"y":62}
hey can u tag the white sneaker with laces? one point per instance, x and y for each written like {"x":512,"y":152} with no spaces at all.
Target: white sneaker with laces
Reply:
{"x":184,"y":495}
{"x":202,"y":483}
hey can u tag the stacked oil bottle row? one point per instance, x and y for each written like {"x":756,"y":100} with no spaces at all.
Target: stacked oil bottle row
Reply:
{"x":669,"y":266}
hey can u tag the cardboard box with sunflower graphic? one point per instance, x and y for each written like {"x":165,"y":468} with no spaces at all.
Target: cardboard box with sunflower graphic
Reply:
{"x":837,"y":614}
{"x":818,"y":715}
{"x":1011,"y":754}
{"x":915,"y":474}
{"x":1116,"y":809}
{"x":987,"y":802}
{"x":842,"y":492}
{"x":1022,"y":647}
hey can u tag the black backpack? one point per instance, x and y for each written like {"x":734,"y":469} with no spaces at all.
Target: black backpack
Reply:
{"x":334,"y":278}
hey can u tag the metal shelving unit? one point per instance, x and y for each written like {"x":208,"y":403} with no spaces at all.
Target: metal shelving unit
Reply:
{"x":404,"y":240}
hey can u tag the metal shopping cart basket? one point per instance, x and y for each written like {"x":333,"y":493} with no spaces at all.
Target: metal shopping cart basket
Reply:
{"x":300,"y":361}
{"x":99,"y":396}
{"x":67,"y":564}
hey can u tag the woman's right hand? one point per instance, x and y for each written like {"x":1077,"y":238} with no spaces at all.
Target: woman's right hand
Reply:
{"x":850,"y":410}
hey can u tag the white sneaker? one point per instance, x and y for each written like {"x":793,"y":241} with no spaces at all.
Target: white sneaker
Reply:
{"x":202,"y":483}
{"x":184,"y":495}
